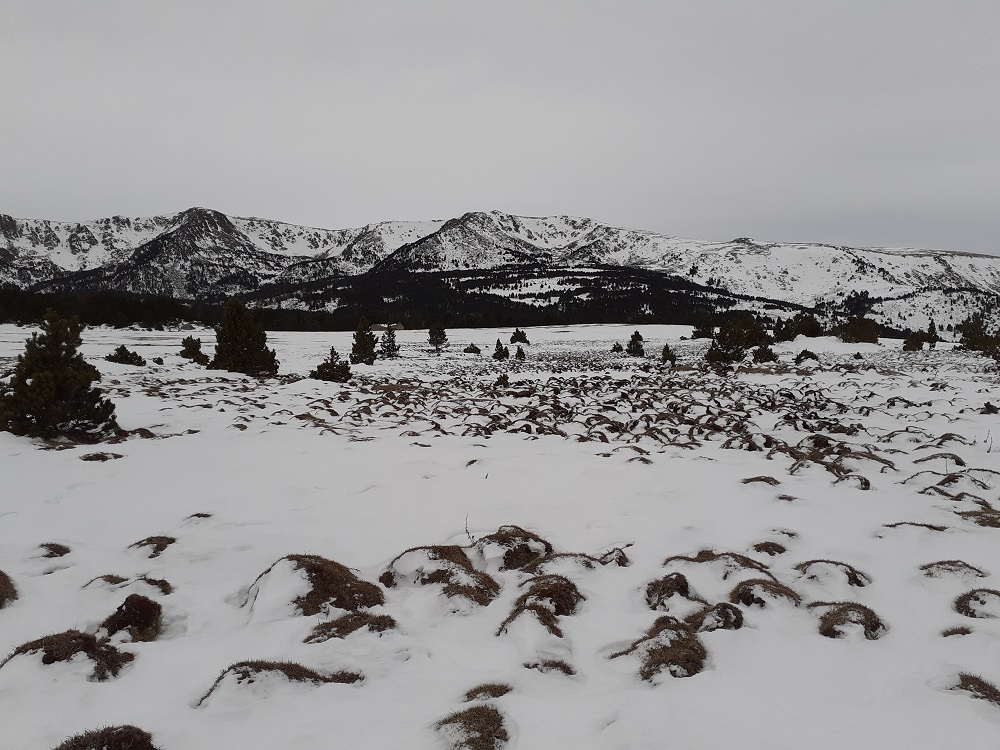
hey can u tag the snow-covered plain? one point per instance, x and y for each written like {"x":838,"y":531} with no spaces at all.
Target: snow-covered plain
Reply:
{"x":839,"y":481}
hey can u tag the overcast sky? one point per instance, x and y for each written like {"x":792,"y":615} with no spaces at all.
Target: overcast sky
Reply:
{"x":859,"y":123}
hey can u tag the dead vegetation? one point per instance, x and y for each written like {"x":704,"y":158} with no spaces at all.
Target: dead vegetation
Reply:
{"x":474,"y":728}
{"x":721,"y":616}
{"x":839,"y":616}
{"x":971,"y":603}
{"x":978,"y":688}
{"x":762,"y":479}
{"x":8,"y":592}
{"x":548,"y":598}
{"x":138,"y":616}
{"x":669,"y":645}
{"x":157,"y":544}
{"x":731,"y":562}
{"x":757,"y":592}
{"x":351,"y":622}
{"x":951,"y":567}
{"x":330,"y":585}
{"x":551,"y":665}
{"x":108,"y":660}
{"x":521,"y":547}
{"x":250,"y":671}
{"x":486,"y":692}
{"x":125,"y":737}
{"x":812,"y":569}
{"x":100,"y":456}
{"x":673,"y":584}
{"x":54,"y":549}
{"x":770,"y":548}
{"x":956,"y":630}
{"x":446,"y":565}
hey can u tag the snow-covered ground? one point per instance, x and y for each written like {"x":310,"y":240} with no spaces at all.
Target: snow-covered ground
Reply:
{"x":845,"y":482}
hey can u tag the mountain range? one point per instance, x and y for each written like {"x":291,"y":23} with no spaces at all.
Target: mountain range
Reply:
{"x":202,"y":254}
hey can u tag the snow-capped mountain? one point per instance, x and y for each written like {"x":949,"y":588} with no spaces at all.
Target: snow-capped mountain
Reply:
{"x":203,"y":254}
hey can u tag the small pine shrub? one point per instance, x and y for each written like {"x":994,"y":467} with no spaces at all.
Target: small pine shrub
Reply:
{"x":191,"y":349}
{"x":332,"y":369}
{"x":241,"y":343}
{"x":764,"y":354}
{"x":668,"y":355}
{"x":124,"y":356}
{"x":472,"y":349}
{"x":501,"y":352}
{"x":635,"y":348}
{"x":502,"y":382}
{"x":437,"y":338}
{"x":617,"y":348}
{"x":50,"y":393}
{"x":804,"y":355}
{"x":363,"y":349}
{"x":387,"y":346}
{"x":519,"y":354}
{"x":519,"y":337}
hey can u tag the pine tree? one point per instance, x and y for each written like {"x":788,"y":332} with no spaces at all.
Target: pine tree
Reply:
{"x":387,"y":346}
{"x":519,"y":337}
{"x":501,"y":352}
{"x":191,"y":349}
{"x":617,"y":348}
{"x":635,"y":348}
{"x":363,"y":350}
{"x":50,"y":392}
{"x":668,"y":355}
{"x":333,"y":368}
{"x":519,"y":354}
{"x":472,"y":349}
{"x":437,"y":337}
{"x":125,"y":356}
{"x":241,"y":343}
{"x":932,"y":335}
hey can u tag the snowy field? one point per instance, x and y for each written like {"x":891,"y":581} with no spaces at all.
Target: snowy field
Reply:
{"x":785,"y":557}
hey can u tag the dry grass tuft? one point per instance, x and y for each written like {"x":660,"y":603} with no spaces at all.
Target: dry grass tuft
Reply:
{"x":964,"y":604}
{"x":54,"y":549}
{"x":474,"y":728}
{"x":957,"y":630}
{"x":551,"y":665}
{"x":522,"y":547}
{"x":100,"y":456}
{"x":349,"y":623}
{"x":487,"y":691}
{"x":659,"y":591}
{"x":110,"y":579}
{"x":770,"y":548}
{"x":979,"y":688}
{"x":8,"y":592}
{"x":108,"y":660}
{"x":841,"y":614}
{"x":164,"y":586}
{"x":951,"y":567}
{"x":763,"y":479}
{"x":757,"y":591}
{"x":448,"y":565}
{"x":916,"y":524}
{"x":158,"y":543}
{"x":733,"y":561}
{"x":668,"y":645}
{"x":330,"y":584}
{"x":249,"y":671}
{"x":548,"y":597}
{"x":720,"y":616}
{"x":854,"y":576}
{"x":125,"y":737}
{"x":140,"y":617}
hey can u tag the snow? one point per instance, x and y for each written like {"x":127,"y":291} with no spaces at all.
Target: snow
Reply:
{"x":404,"y":457}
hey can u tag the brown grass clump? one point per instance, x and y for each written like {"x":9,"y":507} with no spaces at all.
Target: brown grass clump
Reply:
{"x":952,"y":567}
{"x":158,"y":543}
{"x":957,"y":630}
{"x":854,"y":576}
{"x":668,"y":645}
{"x":522,"y":547}
{"x":840,"y":614}
{"x":770,"y":548}
{"x":330,"y":584}
{"x":164,"y":586}
{"x":126,"y":737}
{"x":248,"y":671}
{"x":548,"y":597}
{"x":486,"y":691}
{"x":108,"y":660}
{"x":733,"y":561}
{"x":657,"y":592}
{"x":100,"y":456}
{"x":722,"y":616}
{"x":140,"y":617}
{"x":964,"y":604}
{"x":916,"y":524}
{"x":551,"y":665}
{"x":756,"y":592}
{"x":979,"y":688}
{"x":8,"y":592}
{"x":349,"y":623}
{"x":474,"y":728}
{"x":110,"y":578}
{"x":763,"y":479}
{"x":54,"y":549}
{"x":448,"y":565}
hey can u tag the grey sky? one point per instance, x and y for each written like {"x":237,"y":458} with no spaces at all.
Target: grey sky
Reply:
{"x":862,"y":123}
